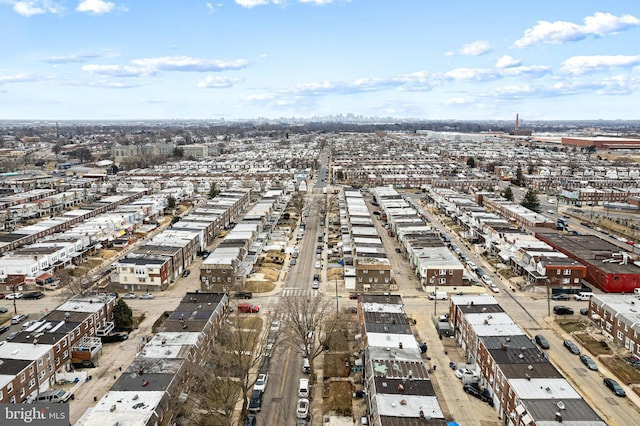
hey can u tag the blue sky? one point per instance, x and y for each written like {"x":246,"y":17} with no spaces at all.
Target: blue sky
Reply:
{"x":427,"y":59}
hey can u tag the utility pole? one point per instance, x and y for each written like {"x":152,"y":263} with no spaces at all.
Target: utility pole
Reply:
{"x":548,"y":298}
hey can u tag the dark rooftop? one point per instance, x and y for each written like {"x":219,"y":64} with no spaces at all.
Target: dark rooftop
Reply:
{"x":404,"y":387}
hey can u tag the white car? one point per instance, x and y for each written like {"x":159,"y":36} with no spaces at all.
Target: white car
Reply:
{"x":12,"y":296}
{"x":465,"y":372}
{"x":318,"y":264}
{"x":275,"y":326}
{"x":472,"y":265}
{"x":494,"y":288}
{"x":129,"y":296}
{"x":147,"y":296}
{"x":303,"y":408}
{"x":486,"y":279}
{"x":261,"y":382}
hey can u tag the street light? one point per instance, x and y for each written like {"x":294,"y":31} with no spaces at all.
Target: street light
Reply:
{"x":432,"y":281}
{"x":548,"y":298}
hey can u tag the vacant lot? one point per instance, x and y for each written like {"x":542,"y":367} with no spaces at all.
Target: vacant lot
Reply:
{"x":338,"y":397}
{"x":336,"y":365}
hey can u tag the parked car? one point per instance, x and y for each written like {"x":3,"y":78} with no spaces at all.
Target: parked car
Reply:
{"x":147,"y":296}
{"x":571,"y":347}
{"x":422,"y":346}
{"x":12,"y":335}
{"x":486,"y":279}
{"x":129,"y":296}
{"x":589,"y":362}
{"x":248,"y":308}
{"x":560,"y":296}
{"x":562,"y":310}
{"x":318,"y":264}
{"x":17,"y":319}
{"x":541,"y":341}
{"x":584,"y":311}
{"x":494,"y":288}
{"x":615,"y":387}
{"x":261,"y":382}
{"x":3,"y":310}
{"x":354,"y":296}
{"x":186,"y":273}
{"x":250,"y":420}
{"x":302,"y":411}
{"x":243,"y":295}
{"x":27,"y":324}
{"x":4,"y":329}
{"x":12,"y":296}
{"x":255,"y":403}
{"x":33,"y":295}
{"x":275,"y":326}
{"x":315,"y":285}
{"x":466,"y":373}
{"x":474,"y":390}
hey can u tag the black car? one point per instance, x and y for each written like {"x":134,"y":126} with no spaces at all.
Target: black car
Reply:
{"x":589,"y":362}
{"x":186,"y":273}
{"x":4,"y":329}
{"x":541,"y":341}
{"x":422,"y":346}
{"x":474,"y":390}
{"x":561,"y":296}
{"x":562,"y":310}
{"x":243,"y":295}
{"x":571,"y":347}
{"x":115,"y":337}
{"x":250,"y":420}
{"x":584,"y":311}
{"x":33,"y":295}
{"x":255,"y":403}
{"x":615,"y":387}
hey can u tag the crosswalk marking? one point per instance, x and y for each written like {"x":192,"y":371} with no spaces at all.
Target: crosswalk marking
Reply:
{"x":300,"y":292}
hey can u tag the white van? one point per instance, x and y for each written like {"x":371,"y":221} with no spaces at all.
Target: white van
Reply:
{"x":438,"y":295}
{"x":303,"y":388}
{"x":306,"y":368}
{"x":583,"y":295}
{"x":53,"y":396}
{"x":636,"y":290}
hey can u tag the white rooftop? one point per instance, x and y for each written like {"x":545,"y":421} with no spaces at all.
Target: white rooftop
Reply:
{"x":80,"y":306}
{"x":26,"y":351}
{"x":409,"y":406}
{"x":544,"y":388}
{"x":481,"y":299}
{"x":387,"y":340}
{"x":117,"y":407}
{"x":382,"y":307}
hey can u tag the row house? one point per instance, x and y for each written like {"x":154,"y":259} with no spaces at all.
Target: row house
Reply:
{"x":397,"y":384}
{"x":526,"y":388}
{"x":618,"y":319}
{"x":143,"y":274}
{"x":39,"y":354}
{"x":159,"y":377}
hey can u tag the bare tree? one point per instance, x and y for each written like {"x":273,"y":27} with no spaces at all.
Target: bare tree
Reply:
{"x":298,"y":203}
{"x":309,"y":321}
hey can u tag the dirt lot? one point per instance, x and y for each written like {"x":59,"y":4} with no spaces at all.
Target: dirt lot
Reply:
{"x":593,"y":345}
{"x":337,"y":398}
{"x":336,"y":365}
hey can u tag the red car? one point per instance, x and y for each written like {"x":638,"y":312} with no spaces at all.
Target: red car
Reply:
{"x":354,"y":295}
{"x":1,"y":295}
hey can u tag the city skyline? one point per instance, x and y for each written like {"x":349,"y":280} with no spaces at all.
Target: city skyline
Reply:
{"x":96,"y":59}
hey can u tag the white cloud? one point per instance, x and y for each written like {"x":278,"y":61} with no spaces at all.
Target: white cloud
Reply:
{"x":477,"y":48}
{"x":212,"y":8}
{"x":216,"y":82}
{"x":19,"y":78}
{"x":507,"y":62}
{"x":112,"y":84}
{"x":558,"y":32}
{"x":95,"y":7}
{"x":476,"y":74}
{"x":28,"y":8}
{"x":117,"y":70}
{"x":73,"y":58}
{"x":578,"y":65}
{"x":530,"y":70}
{"x":252,"y":3}
{"x":186,"y":63}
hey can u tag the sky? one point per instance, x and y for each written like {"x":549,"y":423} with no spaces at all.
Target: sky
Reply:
{"x":249,"y":59}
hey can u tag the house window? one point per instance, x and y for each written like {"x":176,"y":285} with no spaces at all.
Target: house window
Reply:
{"x":566,"y":281}
{"x":442,"y":281}
{"x":65,"y":354}
{"x":365,"y":271}
{"x":450,"y":271}
{"x":10,"y":387}
{"x":567,"y":271}
{"x":23,"y":377}
{"x":40,"y":363}
{"x":608,"y":326}
{"x":381,"y":271}
{"x":57,"y":362}
{"x":359,"y":279}
{"x":32,"y":383}
{"x":228,"y":279}
{"x":42,"y":373}
{"x":620,"y":335}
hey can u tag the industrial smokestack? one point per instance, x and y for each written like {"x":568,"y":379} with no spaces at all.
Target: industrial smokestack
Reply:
{"x":516,"y":121}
